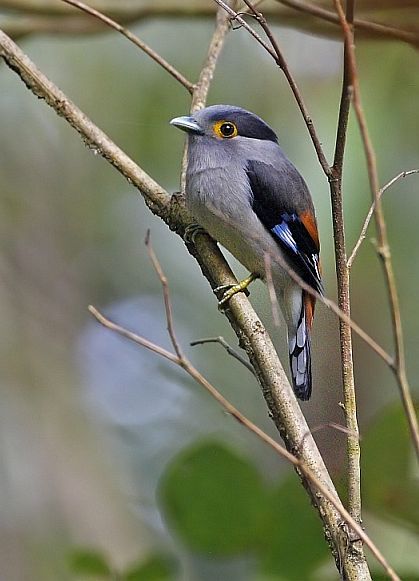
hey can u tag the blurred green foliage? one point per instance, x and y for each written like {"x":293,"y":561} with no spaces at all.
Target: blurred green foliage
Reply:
{"x":294,"y":544}
{"x":217,"y":504}
{"x":215,"y":500}
{"x":89,"y":564}
{"x":155,"y":568}
{"x":389,"y":471}
{"x":92,"y":565}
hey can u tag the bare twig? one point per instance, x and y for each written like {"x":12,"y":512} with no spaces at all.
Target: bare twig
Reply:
{"x":221,"y":341}
{"x":334,"y":175}
{"x":133,"y":336}
{"x":19,"y":26}
{"x":367,"y":220}
{"x":134,"y":39}
{"x":236,"y":16}
{"x":383,"y":246}
{"x":293,"y":86}
{"x":167,"y":301}
{"x":334,"y":426}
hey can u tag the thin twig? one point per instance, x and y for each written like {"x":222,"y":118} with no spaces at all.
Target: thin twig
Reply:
{"x":221,"y":341}
{"x":133,"y":336}
{"x":236,"y":16}
{"x":134,"y":39}
{"x":334,"y":175}
{"x":334,"y":426}
{"x":344,"y":107}
{"x":166,"y":296}
{"x":383,"y":245}
{"x":367,"y":220}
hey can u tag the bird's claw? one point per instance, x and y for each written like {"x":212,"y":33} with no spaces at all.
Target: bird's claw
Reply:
{"x":229,"y":290}
{"x":191,"y":232}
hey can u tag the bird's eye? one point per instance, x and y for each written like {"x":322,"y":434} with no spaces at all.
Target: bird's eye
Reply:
{"x":225,"y":129}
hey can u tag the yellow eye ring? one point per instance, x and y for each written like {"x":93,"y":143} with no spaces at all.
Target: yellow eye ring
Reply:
{"x":225,"y":129}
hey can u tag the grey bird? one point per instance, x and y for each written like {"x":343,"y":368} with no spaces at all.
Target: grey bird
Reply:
{"x":244,"y":191}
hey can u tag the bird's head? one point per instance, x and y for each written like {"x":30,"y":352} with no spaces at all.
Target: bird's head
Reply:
{"x":225,"y":123}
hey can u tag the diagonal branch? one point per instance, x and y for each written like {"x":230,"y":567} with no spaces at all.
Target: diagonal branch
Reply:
{"x":370,"y":213}
{"x":134,"y":39}
{"x":221,"y":341}
{"x":167,"y":301}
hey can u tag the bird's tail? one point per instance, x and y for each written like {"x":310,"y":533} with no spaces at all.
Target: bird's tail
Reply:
{"x":299,"y":343}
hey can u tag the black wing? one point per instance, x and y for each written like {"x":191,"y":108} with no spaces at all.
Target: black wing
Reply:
{"x":283,"y":204}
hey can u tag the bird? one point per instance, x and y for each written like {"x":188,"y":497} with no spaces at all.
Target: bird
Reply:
{"x":243,"y":190}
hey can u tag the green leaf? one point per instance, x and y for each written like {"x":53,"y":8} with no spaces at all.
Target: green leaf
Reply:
{"x":214,"y":499}
{"x":155,"y":568}
{"x":387,"y":468}
{"x":294,"y":540}
{"x":89,"y":563}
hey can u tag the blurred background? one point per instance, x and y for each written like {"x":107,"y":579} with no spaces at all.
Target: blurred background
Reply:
{"x":113,"y":463}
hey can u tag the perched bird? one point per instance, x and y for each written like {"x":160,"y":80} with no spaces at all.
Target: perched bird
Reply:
{"x":246,"y":193}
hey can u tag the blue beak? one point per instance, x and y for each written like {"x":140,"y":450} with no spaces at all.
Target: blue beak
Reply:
{"x":187,"y":124}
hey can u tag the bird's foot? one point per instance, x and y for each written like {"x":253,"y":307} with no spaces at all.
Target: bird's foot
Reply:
{"x":230,"y":290}
{"x":191,"y":232}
